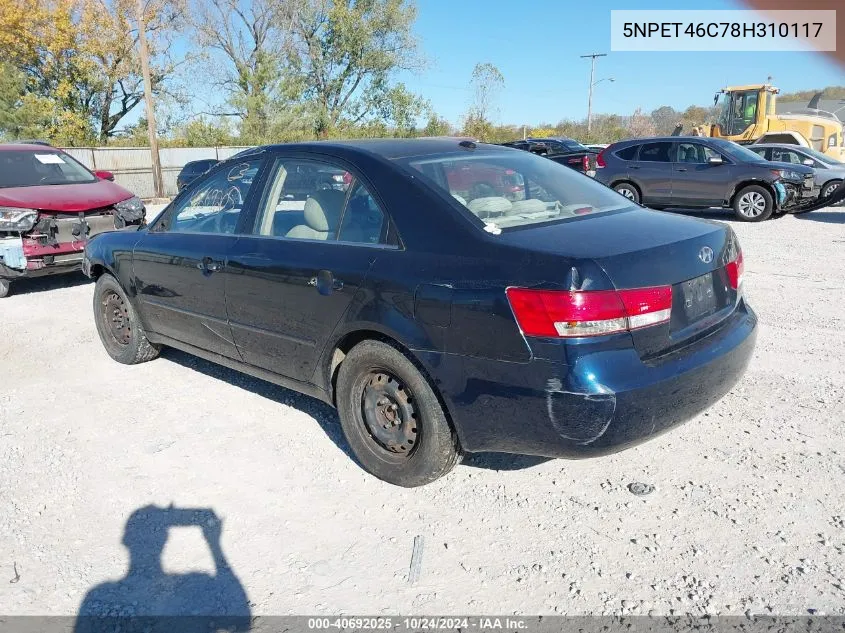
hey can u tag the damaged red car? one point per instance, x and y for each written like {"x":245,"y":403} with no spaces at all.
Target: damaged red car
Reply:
{"x":50,"y":205}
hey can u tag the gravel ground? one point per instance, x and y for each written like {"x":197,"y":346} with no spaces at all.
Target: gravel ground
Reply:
{"x":747,"y":512}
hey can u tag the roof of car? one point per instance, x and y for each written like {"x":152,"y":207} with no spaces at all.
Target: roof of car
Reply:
{"x":789,"y":145}
{"x":25,"y":146}
{"x":667,"y":139}
{"x":393,"y":147}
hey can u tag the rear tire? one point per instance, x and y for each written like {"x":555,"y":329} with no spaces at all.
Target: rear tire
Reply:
{"x":118,"y":325}
{"x":753,"y":204}
{"x":628,"y":190}
{"x":392,"y":418}
{"x":5,"y":286}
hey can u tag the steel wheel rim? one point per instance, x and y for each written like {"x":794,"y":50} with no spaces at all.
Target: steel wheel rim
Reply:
{"x":388,"y":409}
{"x":116,"y":318}
{"x":628,"y":193}
{"x":752,"y":204}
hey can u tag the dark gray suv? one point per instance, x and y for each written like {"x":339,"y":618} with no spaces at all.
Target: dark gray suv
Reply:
{"x":699,"y":172}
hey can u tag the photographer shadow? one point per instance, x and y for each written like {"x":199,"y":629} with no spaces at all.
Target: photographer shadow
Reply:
{"x":149,"y":599}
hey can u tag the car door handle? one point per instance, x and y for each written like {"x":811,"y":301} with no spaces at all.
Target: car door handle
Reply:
{"x":208,"y":265}
{"x":337,"y":284}
{"x":634,"y":167}
{"x":681,"y":169}
{"x":325,"y":282}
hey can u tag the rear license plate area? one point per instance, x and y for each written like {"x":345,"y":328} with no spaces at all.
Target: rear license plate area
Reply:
{"x":699,"y":297}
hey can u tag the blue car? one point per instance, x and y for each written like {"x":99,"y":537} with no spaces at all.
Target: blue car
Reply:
{"x":446,"y":297}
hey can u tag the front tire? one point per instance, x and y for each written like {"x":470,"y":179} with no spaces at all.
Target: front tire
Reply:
{"x":829,"y":188}
{"x":753,"y":204}
{"x":5,"y":286}
{"x":628,"y":190}
{"x":118,"y":325}
{"x":392,"y":418}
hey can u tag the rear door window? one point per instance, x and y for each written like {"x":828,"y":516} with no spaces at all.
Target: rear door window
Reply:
{"x":655,"y":152}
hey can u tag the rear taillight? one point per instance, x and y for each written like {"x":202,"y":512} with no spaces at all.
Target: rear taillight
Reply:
{"x":585,"y":163}
{"x":555,"y":313}
{"x":600,"y":159}
{"x":735,"y":269}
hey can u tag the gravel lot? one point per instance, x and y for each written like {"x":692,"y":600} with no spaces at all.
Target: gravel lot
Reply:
{"x":747,"y":513}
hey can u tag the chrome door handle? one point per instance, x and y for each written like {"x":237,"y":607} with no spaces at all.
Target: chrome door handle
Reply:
{"x":208,"y":265}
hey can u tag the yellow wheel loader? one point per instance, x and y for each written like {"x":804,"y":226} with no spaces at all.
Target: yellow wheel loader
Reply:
{"x":747,"y":114}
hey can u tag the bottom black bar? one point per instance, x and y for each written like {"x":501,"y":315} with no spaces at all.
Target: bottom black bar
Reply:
{"x":408,"y":624}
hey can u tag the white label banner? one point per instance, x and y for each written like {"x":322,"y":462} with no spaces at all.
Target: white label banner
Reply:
{"x":702,"y":30}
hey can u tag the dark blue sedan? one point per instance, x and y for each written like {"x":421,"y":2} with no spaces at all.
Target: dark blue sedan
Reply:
{"x":445,"y":296}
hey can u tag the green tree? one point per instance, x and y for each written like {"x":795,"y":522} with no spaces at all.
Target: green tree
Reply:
{"x":22,"y":114}
{"x":436,"y":126}
{"x":345,"y":56}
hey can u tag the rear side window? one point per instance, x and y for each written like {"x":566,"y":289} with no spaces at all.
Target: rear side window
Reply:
{"x":655,"y":152}
{"x":627,"y":153}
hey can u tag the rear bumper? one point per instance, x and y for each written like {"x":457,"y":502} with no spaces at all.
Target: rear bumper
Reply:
{"x":596,"y":403}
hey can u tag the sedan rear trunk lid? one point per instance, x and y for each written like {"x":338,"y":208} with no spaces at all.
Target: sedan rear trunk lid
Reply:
{"x":641,"y":248}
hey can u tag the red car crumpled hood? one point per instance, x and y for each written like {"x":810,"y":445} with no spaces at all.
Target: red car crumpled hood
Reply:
{"x":64,"y":198}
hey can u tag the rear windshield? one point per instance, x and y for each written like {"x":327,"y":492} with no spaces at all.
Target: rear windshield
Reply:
{"x":28,"y":168}
{"x":510,"y":189}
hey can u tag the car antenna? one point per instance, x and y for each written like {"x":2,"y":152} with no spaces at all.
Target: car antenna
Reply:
{"x":467,"y":144}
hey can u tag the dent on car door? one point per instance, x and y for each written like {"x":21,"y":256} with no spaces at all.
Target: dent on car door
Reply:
{"x":293,"y":280}
{"x":180,"y":263}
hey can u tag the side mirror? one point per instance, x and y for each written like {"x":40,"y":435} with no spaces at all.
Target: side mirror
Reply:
{"x":104,"y":175}
{"x":808,"y":161}
{"x":715,"y":160}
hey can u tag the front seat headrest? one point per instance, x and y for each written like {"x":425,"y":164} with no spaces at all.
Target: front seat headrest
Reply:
{"x":322,"y":209}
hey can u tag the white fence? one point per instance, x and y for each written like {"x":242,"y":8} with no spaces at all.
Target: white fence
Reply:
{"x":132,"y":166}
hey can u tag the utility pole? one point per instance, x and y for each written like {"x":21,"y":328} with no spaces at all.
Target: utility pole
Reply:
{"x":148,"y":100}
{"x":592,"y":57}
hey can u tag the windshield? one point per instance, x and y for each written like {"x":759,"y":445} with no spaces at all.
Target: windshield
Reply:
{"x":823,"y":158}
{"x":28,"y":168}
{"x":509,"y":189}
{"x":737,"y":151}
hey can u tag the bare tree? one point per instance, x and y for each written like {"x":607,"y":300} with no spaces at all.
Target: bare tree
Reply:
{"x":486,"y":83}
